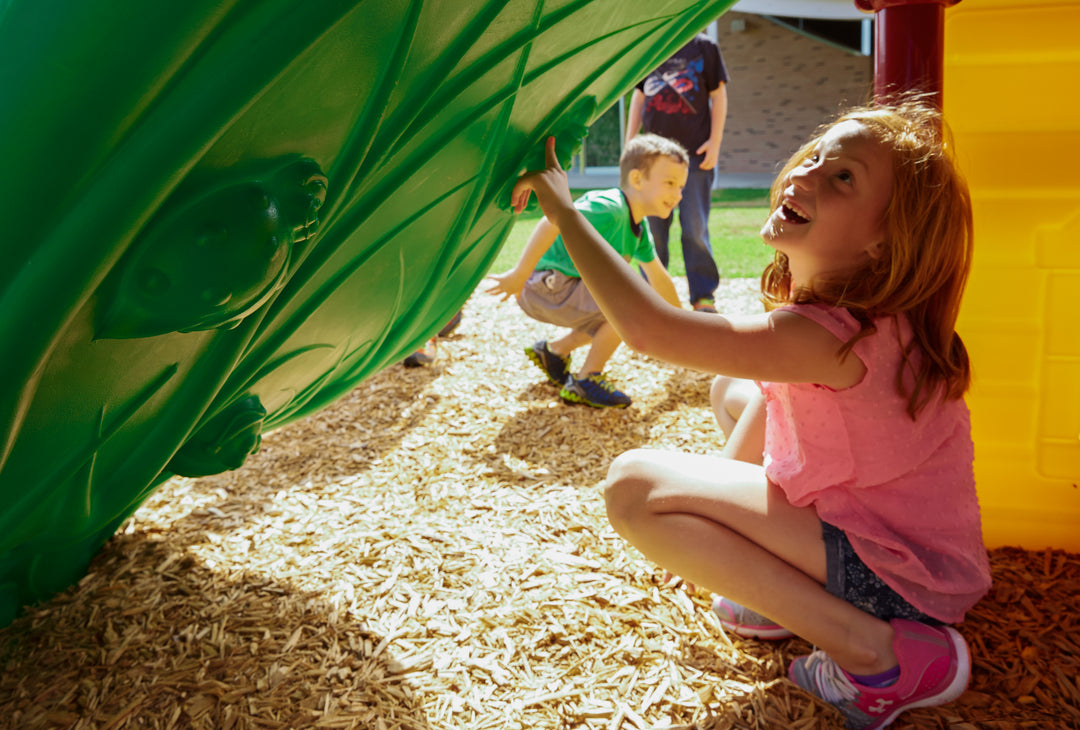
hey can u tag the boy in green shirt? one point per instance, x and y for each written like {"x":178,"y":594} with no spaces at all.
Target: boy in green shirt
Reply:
{"x":547,"y":286}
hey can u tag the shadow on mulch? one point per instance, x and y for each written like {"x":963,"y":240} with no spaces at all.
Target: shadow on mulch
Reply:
{"x":130,"y":647}
{"x":188,"y":619}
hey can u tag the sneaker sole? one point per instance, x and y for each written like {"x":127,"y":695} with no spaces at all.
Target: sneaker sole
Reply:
{"x":452,"y":325}
{"x":757,"y":632}
{"x":531,"y":353}
{"x":417,"y":360}
{"x":771,"y":632}
{"x":576,"y":399}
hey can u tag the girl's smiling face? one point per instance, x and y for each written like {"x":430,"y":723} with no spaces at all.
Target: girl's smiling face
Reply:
{"x":830,"y":219}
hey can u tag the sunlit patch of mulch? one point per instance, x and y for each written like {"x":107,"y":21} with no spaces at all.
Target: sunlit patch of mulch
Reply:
{"x":431,"y":552}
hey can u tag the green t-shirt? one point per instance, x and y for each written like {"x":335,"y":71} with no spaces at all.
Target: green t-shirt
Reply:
{"x":609,"y":214}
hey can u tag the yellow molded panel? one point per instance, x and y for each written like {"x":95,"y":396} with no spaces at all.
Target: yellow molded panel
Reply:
{"x":1063,"y":332}
{"x":1017,"y":129}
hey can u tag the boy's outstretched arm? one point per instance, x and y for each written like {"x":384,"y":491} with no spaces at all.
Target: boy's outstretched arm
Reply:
{"x":622,"y":293}
{"x":510,"y":283}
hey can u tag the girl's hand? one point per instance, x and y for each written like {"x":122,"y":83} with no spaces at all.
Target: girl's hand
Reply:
{"x":550,"y":185}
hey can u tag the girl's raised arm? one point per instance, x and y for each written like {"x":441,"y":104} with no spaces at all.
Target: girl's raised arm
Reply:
{"x":779,"y":346}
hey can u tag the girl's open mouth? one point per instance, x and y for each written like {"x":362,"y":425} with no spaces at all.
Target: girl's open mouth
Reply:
{"x":790,"y":215}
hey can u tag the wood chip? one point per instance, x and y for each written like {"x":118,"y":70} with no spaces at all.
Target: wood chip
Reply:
{"x":431,"y":552}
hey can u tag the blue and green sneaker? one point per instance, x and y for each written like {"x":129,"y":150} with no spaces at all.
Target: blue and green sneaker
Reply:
{"x":593,"y":390}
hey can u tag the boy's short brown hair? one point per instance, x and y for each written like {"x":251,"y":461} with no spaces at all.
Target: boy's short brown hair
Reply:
{"x":642,"y":151}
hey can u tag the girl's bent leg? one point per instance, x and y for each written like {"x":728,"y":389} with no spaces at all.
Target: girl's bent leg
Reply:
{"x":739,"y":407}
{"x":720,"y":524}
{"x":729,"y":397}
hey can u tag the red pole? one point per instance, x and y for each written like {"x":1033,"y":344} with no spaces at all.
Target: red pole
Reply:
{"x":909,"y":42}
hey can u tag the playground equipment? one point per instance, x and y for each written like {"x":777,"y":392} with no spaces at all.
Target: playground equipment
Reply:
{"x":220,"y":216}
{"x":999,"y":63}
{"x":1025,"y":346}
{"x":1017,"y":131}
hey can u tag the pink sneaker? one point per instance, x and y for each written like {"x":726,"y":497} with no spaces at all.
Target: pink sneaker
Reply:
{"x":741,"y":621}
{"x":935,"y":667}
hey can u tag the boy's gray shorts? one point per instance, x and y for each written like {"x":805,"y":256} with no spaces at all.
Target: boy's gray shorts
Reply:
{"x":553,"y":297}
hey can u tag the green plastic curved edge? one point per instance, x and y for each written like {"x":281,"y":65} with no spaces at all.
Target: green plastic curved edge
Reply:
{"x":220,"y":216}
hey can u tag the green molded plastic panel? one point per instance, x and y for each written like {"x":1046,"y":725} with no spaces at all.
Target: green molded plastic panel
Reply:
{"x":221,"y":215}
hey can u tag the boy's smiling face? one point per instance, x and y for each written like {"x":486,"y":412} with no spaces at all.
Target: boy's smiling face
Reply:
{"x":658,"y":190}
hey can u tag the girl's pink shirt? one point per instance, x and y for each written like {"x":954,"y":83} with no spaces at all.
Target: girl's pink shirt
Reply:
{"x":903,"y":491}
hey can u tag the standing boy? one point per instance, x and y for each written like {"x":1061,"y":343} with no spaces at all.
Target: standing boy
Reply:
{"x":547,"y":286}
{"x":686,"y":99}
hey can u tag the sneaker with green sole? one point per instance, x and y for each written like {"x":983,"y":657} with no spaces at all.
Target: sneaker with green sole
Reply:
{"x":555,"y":367}
{"x":593,"y":390}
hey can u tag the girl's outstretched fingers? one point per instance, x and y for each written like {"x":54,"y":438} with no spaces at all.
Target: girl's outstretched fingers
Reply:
{"x":549,"y":154}
{"x":526,"y":183}
{"x":519,"y":198}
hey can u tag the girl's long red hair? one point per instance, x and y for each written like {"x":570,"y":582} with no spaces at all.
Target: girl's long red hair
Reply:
{"x":927,"y":254}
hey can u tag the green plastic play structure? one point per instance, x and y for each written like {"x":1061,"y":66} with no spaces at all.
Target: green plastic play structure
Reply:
{"x":221,"y":215}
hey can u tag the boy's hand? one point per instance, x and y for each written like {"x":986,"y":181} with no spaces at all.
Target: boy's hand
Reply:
{"x":551,"y":186}
{"x":712,"y":154}
{"x":507,"y":284}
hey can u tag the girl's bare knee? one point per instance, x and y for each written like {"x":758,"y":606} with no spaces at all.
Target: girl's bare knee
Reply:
{"x":626,"y":487}
{"x":718,"y":389}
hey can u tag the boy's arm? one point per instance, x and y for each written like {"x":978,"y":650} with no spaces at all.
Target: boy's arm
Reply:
{"x":510,"y":283}
{"x":661,"y":281}
{"x":636,"y":113}
{"x":717,"y":117}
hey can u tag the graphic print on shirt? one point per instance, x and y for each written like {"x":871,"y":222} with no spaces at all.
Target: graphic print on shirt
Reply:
{"x":674,"y":88}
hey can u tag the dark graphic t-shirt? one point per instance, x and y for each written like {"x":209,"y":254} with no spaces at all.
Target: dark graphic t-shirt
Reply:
{"x":677,"y":93}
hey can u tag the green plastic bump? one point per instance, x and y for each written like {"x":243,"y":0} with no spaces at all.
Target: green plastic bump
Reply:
{"x":221,"y":216}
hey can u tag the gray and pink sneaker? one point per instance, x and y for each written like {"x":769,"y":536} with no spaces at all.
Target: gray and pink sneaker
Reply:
{"x":935,"y":667}
{"x":741,"y":621}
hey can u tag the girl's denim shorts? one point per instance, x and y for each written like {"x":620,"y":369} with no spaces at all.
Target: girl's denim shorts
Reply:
{"x":849,"y":578}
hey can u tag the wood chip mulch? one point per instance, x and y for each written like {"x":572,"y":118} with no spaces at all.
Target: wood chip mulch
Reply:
{"x":431,"y":553}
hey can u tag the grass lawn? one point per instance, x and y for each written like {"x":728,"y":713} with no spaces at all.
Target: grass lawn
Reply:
{"x":734,"y":222}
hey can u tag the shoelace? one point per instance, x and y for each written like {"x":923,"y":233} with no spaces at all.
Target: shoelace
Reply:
{"x":831,"y":683}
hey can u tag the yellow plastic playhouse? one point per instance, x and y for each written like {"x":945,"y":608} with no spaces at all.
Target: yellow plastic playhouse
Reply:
{"x":1010,"y":68}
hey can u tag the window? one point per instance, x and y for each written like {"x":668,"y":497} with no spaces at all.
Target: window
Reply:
{"x":850,"y":35}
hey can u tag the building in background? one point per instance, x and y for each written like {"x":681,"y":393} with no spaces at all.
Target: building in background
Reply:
{"x":788,"y":75}
{"x":793,"y":65}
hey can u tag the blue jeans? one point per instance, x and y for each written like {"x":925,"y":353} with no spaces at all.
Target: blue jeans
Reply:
{"x":702,"y":276}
